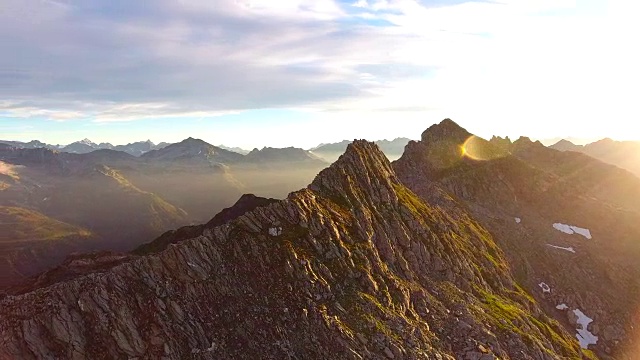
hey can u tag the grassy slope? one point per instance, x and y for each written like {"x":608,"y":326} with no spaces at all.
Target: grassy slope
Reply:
{"x":19,"y":225}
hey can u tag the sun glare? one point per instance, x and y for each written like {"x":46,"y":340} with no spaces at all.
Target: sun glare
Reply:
{"x":477,"y":148}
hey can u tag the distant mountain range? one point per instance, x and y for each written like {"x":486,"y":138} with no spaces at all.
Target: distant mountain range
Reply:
{"x":624,"y":154}
{"x":393,"y":149}
{"x":193,"y":150}
{"x":234,"y":149}
{"x":283,"y":155}
{"x":110,"y":199}
{"x":86,"y":146}
{"x":329,"y":152}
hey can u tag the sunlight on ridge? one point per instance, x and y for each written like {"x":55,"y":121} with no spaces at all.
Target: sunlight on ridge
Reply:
{"x":477,"y":148}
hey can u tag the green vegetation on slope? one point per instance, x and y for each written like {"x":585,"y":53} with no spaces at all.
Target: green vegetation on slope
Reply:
{"x":19,"y":224}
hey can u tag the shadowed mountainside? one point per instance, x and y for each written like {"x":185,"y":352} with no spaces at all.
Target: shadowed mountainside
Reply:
{"x":567,"y":223}
{"x":31,"y":243}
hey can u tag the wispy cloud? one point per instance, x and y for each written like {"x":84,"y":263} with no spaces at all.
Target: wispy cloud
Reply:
{"x":124,"y":60}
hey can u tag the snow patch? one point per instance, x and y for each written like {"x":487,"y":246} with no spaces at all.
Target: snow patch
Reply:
{"x":585,"y":337}
{"x":275,"y":231}
{"x":86,"y":142}
{"x":580,"y":231}
{"x":562,"y":307}
{"x":518,"y":220}
{"x":545,"y":288}
{"x":569,"y":249}
{"x":571,"y":229}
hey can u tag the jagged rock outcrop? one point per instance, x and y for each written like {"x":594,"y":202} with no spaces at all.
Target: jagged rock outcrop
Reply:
{"x":355,"y":267}
{"x":246,"y":203}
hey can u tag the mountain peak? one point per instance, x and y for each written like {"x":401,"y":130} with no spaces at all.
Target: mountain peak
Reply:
{"x":86,"y":142}
{"x":363,"y":152}
{"x":566,"y":145}
{"x":193,"y":149}
{"x":191,"y":140}
{"x":605,"y":141}
{"x":194,"y":144}
{"x":362,"y":169}
{"x":525,"y":141}
{"x":446,"y":129}
{"x":444,"y":146}
{"x":564,"y":142}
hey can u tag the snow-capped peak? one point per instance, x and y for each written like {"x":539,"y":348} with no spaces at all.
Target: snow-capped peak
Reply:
{"x":86,"y":142}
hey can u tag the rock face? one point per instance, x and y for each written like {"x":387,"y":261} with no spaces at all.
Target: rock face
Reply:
{"x":358,"y":267}
{"x":595,"y":274}
{"x":246,"y":203}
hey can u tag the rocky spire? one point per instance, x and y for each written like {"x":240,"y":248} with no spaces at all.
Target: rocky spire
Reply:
{"x":363,"y":172}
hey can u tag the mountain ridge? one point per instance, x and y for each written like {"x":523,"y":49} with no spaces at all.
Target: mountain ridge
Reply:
{"x":463,"y":248}
{"x":355,"y":266}
{"x":523,"y":197}
{"x":623,"y":154}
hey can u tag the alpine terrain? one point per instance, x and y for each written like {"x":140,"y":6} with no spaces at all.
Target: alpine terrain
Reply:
{"x":110,"y":200}
{"x":356,"y":265}
{"x":461,"y":249}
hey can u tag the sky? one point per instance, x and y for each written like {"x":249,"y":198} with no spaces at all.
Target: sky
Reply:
{"x":254,"y":73}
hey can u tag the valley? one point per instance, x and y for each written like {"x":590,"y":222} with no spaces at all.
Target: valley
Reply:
{"x":125,"y":201}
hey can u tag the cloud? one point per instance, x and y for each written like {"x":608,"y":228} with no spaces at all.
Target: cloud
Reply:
{"x":123,"y":60}
{"x":120,"y":60}
{"x":102,"y":58}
